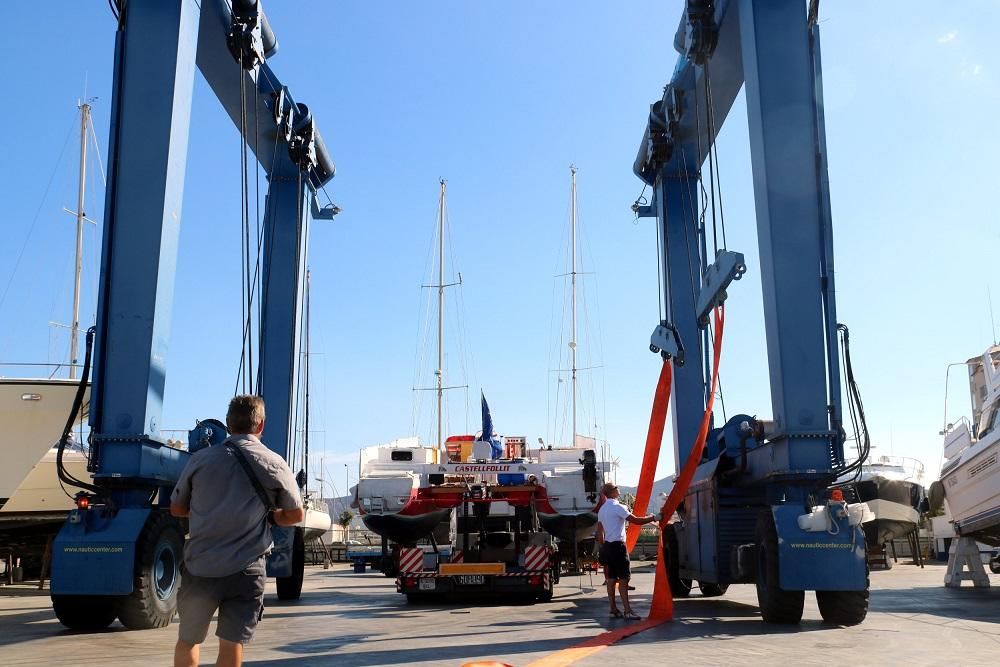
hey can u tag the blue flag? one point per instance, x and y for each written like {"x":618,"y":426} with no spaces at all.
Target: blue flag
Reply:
{"x":487,"y":435}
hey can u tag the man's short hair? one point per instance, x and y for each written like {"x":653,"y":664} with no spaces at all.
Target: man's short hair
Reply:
{"x":608,"y":488}
{"x":245,"y":415}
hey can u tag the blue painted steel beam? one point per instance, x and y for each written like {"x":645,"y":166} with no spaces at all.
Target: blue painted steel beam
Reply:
{"x":147,"y":154}
{"x":828,"y":283}
{"x":693,"y":138}
{"x":675,"y":201}
{"x":223,"y":75}
{"x":286,"y":235}
{"x":777,"y":64}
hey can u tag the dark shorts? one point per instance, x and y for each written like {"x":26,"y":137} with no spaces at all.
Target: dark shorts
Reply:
{"x":614,"y":556}
{"x":239,"y":599}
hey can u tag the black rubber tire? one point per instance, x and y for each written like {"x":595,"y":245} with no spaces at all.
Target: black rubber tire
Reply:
{"x":546,"y":595}
{"x":710,"y":590}
{"x":86,"y":613}
{"x":995,"y":565}
{"x":158,"y":557}
{"x":776,"y":605}
{"x":290,"y":587}
{"x":843,"y":607}
{"x":679,"y":588}
{"x":389,"y":567}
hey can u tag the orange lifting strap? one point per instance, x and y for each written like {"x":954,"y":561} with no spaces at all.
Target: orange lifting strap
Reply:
{"x":662,"y":607}
{"x":654,"y":436}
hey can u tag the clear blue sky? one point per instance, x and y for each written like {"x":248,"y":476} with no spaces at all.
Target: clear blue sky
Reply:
{"x":500,"y":99}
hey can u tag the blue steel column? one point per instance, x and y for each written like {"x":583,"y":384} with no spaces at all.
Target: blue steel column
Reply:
{"x":147,"y":153}
{"x":285,"y":246}
{"x":777,"y":66}
{"x":676,"y":212}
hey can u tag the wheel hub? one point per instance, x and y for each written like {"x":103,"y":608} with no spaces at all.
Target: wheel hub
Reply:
{"x":165,"y":571}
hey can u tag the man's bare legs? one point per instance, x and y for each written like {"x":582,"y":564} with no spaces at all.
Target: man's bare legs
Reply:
{"x":230,"y":654}
{"x":611,"y":596}
{"x":186,"y":655}
{"x":623,"y":591}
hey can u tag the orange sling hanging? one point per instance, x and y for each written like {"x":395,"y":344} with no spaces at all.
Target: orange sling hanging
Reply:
{"x":654,"y":436}
{"x":662,"y":607}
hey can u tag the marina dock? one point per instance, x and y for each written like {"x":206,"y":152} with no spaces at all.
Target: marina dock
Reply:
{"x":359,"y":620}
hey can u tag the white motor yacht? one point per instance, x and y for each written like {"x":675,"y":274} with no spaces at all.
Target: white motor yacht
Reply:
{"x":970,"y":475}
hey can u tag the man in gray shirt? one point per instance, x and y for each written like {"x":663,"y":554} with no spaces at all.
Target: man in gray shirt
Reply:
{"x":229,"y":534}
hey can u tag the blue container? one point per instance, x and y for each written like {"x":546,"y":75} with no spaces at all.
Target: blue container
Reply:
{"x":511,"y":479}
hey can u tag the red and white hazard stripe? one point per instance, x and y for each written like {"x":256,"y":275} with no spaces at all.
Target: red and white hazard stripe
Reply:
{"x":458,"y":557}
{"x":411,"y":559}
{"x":536,"y":558}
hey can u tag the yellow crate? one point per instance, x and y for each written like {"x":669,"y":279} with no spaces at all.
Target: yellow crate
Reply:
{"x":472,"y":568}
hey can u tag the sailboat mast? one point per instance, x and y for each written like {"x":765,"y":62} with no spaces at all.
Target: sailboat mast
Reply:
{"x":80,"y":215}
{"x":305,"y":434}
{"x":440,"y":286}
{"x":572,"y":342}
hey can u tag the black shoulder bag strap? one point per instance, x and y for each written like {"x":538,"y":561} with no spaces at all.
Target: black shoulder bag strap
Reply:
{"x":252,"y":476}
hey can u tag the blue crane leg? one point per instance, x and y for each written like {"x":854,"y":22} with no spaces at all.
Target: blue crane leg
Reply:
{"x":676,"y":204}
{"x":283,"y":281}
{"x":147,"y":153}
{"x":777,"y":66}
{"x":151,"y":109}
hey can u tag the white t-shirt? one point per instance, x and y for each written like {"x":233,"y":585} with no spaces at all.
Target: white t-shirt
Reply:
{"x":612,"y":516}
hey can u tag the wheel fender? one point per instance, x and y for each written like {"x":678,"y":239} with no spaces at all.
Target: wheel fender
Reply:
{"x":95,"y":554}
{"x":819,"y":561}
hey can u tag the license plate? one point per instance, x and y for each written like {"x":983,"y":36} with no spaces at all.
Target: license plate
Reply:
{"x":426,"y":584}
{"x":470,"y":579}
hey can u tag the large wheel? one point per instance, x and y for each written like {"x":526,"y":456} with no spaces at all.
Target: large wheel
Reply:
{"x":87,"y":613}
{"x":776,"y":605}
{"x":158,"y":554}
{"x":290,"y":587}
{"x":710,"y":590}
{"x":389,"y":568}
{"x":546,"y":595}
{"x":679,"y":588}
{"x":845,"y":607}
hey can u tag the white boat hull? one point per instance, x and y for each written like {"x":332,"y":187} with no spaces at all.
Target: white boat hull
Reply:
{"x":972,"y":488}
{"x":33,"y":414}
{"x":316,"y":523}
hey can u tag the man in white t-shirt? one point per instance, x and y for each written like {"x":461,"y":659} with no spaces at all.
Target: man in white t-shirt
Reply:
{"x":613,"y":518}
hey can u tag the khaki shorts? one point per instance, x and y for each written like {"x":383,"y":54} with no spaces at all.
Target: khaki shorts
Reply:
{"x":239,"y":599}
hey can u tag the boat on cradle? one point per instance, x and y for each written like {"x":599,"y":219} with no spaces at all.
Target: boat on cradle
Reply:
{"x":33,"y":413}
{"x":892,"y":486}
{"x":317,"y":521}
{"x":970,"y":475}
{"x":406,"y":490}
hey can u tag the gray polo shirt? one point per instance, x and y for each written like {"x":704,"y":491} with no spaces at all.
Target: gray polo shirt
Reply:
{"x":228,"y":526}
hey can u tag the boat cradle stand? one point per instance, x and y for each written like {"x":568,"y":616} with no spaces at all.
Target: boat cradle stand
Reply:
{"x":964,"y":553}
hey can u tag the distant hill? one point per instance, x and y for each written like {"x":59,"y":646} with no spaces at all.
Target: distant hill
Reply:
{"x":659,"y":486}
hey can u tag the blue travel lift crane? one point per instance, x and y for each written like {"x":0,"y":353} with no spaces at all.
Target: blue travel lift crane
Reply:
{"x":119,"y":553}
{"x":740,"y":518}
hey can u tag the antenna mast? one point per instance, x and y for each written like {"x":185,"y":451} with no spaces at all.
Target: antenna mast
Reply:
{"x":305,"y":435}
{"x":440,"y":369}
{"x":80,"y":216}
{"x":572,"y":342}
